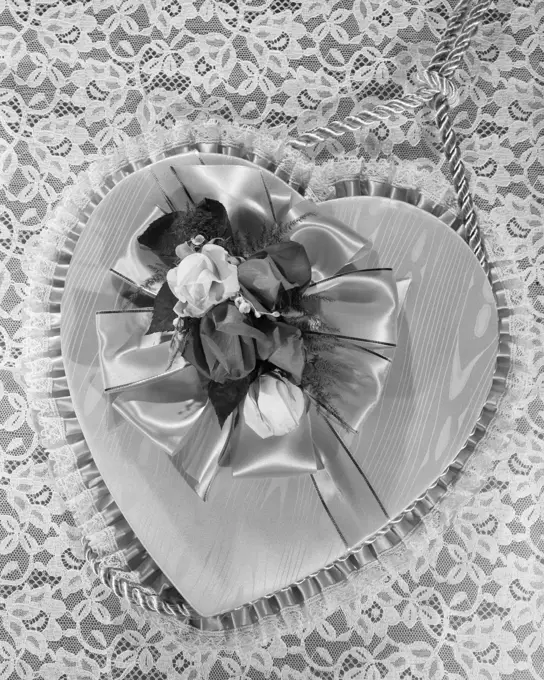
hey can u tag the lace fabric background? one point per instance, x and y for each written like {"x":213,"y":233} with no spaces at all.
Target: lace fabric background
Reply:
{"x":80,"y":79}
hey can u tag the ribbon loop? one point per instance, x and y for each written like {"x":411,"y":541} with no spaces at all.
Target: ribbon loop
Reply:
{"x":289,"y":454}
{"x":128,"y":356}
{"x":361,"y":304}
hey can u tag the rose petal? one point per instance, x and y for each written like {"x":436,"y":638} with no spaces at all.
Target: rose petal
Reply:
{"x":202,"y":280}
{"x":183,"y":250}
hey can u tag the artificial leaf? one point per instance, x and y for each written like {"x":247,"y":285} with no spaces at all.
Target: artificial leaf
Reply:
{"x":193,"y":352}
{"x":221,"y":219}
{"x":164,"y":315}
{"x":226,"y":397}
{"x":224,"y":347}
{"x":209,"y":219}
{"x":283,"y":347}
{"x":162,"y":235}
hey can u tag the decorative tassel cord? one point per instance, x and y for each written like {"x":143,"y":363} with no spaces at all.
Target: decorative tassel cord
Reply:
{"x":437,"y":90}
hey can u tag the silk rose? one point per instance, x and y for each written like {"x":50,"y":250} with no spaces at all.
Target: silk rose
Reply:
{"x":202,"y":279}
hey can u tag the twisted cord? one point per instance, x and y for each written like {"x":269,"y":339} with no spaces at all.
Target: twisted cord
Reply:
{"x":460,"y":182}
{"x":133,"y":592}
{"x":462,"y":41}
{"x":337,"y":128}
{"x":454,"y":27}
{"x":433,"y":81}
{"x":446,"y":66}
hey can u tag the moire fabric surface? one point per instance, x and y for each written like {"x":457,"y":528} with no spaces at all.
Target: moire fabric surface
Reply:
{"x":78,"y":80}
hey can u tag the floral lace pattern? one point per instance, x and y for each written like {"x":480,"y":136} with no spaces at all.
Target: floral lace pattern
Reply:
{"x":80,"y":79}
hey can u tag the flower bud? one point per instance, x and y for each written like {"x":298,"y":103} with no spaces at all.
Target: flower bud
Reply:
{"x":273,"y":406}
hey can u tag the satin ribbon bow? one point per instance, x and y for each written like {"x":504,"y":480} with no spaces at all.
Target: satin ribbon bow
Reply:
{"x":169,"y":404}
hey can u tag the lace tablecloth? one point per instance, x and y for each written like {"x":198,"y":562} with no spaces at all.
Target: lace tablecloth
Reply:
{"x":77,"y":80}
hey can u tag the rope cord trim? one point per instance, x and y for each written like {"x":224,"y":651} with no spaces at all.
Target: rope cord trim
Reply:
{"x":435,"y":80}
